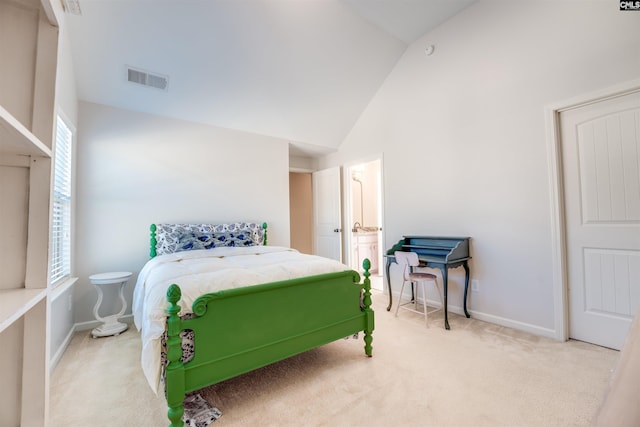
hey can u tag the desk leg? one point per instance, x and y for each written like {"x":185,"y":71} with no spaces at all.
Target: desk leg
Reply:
{"x":466,"y":287}
{"x":445,"y":286}
{"x":389,"y":284}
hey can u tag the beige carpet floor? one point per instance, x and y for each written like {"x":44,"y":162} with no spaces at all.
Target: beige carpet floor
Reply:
{"x":476,"y":374}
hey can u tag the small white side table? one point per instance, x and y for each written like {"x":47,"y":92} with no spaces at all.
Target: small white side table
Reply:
{"x":110,"y":324}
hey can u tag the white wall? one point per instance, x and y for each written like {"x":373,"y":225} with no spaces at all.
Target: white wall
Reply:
{"x":136,"y":169}
{"x":66,"y":95}
{"x":467,"y":126}
{"x":302,"y":164}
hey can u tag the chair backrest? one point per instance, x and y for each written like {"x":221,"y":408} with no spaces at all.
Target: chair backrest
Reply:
{"x":407,"y":260}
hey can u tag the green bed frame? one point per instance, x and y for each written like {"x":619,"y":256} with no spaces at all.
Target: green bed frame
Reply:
{"x":239,"y":330}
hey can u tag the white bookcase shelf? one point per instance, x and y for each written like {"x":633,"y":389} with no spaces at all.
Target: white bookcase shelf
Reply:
{"x":17,"y":139}
{"x":15,"y":303}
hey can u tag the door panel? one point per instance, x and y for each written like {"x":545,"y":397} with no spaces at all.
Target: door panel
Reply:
{"x":327,"y":213}
{"x":601,"y":171}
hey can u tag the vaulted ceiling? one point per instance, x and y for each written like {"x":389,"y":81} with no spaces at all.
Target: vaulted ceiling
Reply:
{"x":301,"y":70}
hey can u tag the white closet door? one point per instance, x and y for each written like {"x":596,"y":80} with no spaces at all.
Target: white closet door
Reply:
{"x":601,"y":166}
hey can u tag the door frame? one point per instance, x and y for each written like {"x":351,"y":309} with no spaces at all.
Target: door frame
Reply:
{"x":348,"y":208}
{"x":556,"y":192}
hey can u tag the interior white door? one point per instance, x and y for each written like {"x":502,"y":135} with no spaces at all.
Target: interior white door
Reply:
{"x":601,"y":171}
{"x":327,"y":213}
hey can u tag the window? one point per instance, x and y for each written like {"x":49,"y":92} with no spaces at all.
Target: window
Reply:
{"x":61,"y":216}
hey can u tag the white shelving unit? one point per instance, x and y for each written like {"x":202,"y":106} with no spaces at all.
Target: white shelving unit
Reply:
{"x":28,"y":58}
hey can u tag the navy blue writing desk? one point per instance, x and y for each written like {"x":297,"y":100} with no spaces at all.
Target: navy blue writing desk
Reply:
{"x":435,"y":252}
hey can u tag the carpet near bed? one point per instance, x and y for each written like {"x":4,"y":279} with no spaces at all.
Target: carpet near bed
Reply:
{"x":419,"y":375}
{"x":282,"y":379}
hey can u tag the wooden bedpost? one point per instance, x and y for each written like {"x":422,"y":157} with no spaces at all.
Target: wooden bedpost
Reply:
{"x":264,"y":227}
{"x":368,"y":338}
{"x":153,"y":242}
{"x":174,"y":377}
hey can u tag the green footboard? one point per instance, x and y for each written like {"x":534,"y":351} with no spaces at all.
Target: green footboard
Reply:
{"x":239,"y":330}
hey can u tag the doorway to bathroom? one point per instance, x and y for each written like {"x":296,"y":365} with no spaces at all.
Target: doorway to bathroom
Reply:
{"x":363,"y":228}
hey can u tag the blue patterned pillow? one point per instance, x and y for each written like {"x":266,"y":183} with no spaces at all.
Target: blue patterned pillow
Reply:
{"x":168,"y":234}
{"x":196,"y":240}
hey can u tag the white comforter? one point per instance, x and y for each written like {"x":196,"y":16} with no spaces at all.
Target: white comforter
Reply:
{"x":203,"y":271}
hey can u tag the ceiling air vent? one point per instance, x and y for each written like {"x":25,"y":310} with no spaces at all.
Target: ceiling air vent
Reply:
{"x":145,"y":78}
{"x":72,"y":6}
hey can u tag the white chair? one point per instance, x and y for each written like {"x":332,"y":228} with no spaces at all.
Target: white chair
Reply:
{"x":408,"y":261}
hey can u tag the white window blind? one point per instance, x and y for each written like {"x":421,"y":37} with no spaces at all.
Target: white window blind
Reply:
{"x":61,"y":220}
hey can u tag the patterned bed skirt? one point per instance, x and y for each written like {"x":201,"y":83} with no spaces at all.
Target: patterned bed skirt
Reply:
{"x":188,"y":346}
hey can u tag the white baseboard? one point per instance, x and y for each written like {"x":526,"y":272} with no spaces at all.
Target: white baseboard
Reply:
{"x":53,"y":362}
{"x":490,"y":318}
{"x":509,"y":323}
